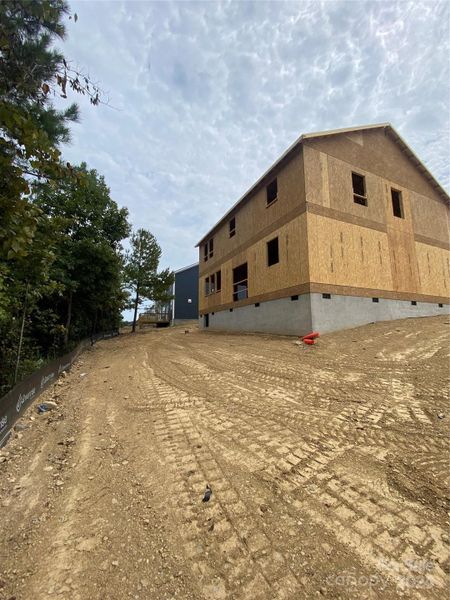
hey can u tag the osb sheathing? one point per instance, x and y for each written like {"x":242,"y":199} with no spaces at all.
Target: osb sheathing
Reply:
{"x":385,"y":254}
{"x":290,"y":271}
{"x":430,"y":217}
{"x":346,"y":254}
{"x":378,"y":154}
{"x":434,"y":269}
{"x":327,"y":239}
{"x":254,"y":216}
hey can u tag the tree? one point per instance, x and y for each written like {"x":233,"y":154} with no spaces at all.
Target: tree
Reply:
{"x":31,"y":129}
{"x":141,"y":274}
{"x":69,"y":286}
{"x":60,"y":232}
{"x":88,"y":260}
{"x":25,"y":282}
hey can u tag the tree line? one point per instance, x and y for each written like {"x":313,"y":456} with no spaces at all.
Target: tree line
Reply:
{"x":64,"y":274}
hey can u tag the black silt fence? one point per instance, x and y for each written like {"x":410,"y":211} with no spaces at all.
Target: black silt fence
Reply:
{"x":16,"y":401}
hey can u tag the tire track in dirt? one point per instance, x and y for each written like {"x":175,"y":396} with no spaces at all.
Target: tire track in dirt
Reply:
{"x":227,"y":426}
{"x":240,"y":547}
{"x":328,"y":467}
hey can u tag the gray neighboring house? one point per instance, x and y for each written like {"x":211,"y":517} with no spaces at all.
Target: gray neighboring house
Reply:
{"x":185,"y":291}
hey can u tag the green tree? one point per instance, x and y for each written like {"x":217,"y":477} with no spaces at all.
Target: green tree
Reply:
{"x":88,"y":259}
{"x":141,"y":274}
{"x":60,"y":232}
{"x":69,"y":286}
{"x":31,"y":129}
{"x":25,"y":282}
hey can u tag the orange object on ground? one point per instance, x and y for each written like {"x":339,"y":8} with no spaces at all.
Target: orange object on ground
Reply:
{"x":309,"y":341}
{"x":311,"y":336}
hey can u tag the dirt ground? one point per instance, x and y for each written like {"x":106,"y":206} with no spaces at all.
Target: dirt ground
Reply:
{"x":329,"y":469}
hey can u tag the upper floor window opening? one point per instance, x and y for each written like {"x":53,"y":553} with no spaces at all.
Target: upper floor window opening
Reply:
{"x":208,"y":249}
{"x":272,"y":191}
{"x":232,"y":226}
{"x":359,"y":189}
{"x":397,"y":204}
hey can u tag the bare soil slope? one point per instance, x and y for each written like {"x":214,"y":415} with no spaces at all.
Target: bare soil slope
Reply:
{"x":329,"y":469}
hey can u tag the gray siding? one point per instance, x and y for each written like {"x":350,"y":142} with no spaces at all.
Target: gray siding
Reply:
{"x":186,"y":288}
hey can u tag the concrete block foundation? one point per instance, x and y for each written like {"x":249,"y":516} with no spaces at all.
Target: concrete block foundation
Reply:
{"x":302,"y":314}
{"x":283,"y":316}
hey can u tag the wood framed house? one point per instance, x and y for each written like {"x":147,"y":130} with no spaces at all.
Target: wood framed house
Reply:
{"x":347,"y":227}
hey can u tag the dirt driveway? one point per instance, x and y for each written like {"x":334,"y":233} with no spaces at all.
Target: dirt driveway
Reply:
{"x":329,"y":470}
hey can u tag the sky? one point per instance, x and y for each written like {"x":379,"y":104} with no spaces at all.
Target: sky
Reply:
{"x":205,"y":96}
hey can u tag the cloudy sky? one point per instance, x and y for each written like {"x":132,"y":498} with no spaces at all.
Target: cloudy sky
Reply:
{"x":206,"y":95}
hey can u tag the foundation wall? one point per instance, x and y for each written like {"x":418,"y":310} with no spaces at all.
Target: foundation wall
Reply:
{"x":313,"y":312}
{"x":283,"y":316}
{"x":343,"y":312}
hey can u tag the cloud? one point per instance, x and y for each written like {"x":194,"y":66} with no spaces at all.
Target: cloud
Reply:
{"x":206,"y":96}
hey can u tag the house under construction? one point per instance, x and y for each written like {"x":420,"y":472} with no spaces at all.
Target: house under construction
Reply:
{"x":346,"y":228}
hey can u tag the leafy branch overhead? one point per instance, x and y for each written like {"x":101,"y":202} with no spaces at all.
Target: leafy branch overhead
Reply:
{"x":32,"y":70}
{"x":29,"y":30}
{"x":77,"y":81}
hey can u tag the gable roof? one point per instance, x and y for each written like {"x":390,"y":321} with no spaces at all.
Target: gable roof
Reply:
{"x":395,"y":136}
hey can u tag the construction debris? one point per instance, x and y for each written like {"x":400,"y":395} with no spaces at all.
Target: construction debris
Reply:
{"x":208,"y":494}
{"x":310,"y":338}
